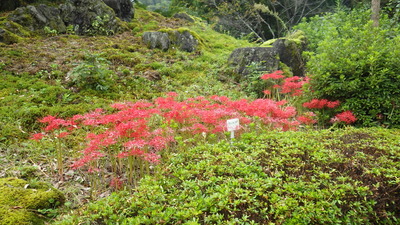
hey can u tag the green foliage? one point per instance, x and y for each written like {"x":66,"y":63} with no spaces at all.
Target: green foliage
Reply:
{"x":50,"y":32}
{"x":99,"y":26}
{"x":356,"y":64}
{"x":314,"y":177}
{"x":93,"y":74}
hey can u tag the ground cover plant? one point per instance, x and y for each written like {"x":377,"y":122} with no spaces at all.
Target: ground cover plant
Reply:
{"x":346,"y":176}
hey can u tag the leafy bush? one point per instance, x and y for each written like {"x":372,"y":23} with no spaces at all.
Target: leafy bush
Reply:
{"x":93,"y":74}
{"x":318,"y":177}
{"x":357,"y":64}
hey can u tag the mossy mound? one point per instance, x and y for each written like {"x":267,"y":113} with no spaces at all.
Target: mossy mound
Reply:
{"x":21,"y":201}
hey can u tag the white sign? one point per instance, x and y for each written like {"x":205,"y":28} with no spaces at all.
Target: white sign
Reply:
{"x":232,"y":124}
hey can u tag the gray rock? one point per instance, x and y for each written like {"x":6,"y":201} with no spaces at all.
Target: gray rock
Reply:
{"x":184,"y":16}
{"x":89,"y":17}
{"x":156,"y":40}
{"x":266,"y":59}
{"x":184,"y":40}
{"x":122,"y":8}
{"x":290,"y":53}
{"x":35,"y":18}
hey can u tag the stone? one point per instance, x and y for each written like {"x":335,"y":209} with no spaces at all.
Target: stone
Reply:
{"x":156,"y":40}
{"x":35,"y":18}
{"x":89,"y":17}
{"x":122,"y":8}
{"x":266,"y":59}
{"x":182,"y":39}
{"x":290,"y":53}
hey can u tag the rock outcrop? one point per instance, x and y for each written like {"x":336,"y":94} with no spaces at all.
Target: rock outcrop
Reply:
{"x":37,"y":17}
{"x":84,"y":17}
{"x":89,"y":17}
{"x":122,"y":8}
{"x":263,"y":59}
{"x":182,"y":39}
{"x":269,"y":55}
{"x":156,"y":40}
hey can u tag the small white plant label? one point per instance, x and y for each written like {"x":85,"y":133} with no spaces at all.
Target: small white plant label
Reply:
{"x":233,"y":124}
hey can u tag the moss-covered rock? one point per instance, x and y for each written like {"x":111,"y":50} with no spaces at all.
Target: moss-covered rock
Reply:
{"x":21,"y":201}
{"x":183,"y":38}
{"x":290,"y":50}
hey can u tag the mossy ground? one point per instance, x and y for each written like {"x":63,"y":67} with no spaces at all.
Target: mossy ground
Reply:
{"x":21,"y":202}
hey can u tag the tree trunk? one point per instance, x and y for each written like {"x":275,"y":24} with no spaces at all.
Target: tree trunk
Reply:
{"x":375,"y":8}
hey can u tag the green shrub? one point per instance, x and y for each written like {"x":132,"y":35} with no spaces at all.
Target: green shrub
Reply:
{"x":93,"y":74}
{"x":358,"y":65}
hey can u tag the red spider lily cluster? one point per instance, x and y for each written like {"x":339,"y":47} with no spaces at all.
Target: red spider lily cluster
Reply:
{"x":290,"y":85}
{"x":294,"y":87}
{"x":346,"y":117}
{"x":321,"y":103}
{"x":143,"y":129}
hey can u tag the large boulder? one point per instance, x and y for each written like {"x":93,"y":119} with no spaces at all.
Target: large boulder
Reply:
{"x":165,"y":39}
{"x":156,"y":40}
{"x":89,"y":17}
{"x":290,"y":53}
{"x":35,"y":18}
{"x":271,"y":55}
{"x":262,"y":59}
{"x":122,"y":8}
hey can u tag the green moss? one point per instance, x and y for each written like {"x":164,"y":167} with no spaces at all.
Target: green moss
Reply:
{"x":21,"y":200}
{"x":298,"y":37}
{"x":11,"y":38}
{"x":182,"y":30}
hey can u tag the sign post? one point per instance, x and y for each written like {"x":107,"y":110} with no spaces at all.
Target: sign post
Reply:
{"x":232,"y":125}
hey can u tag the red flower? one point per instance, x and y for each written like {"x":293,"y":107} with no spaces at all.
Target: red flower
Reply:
{"x":63,"y":134}
{"x":37,"y":136}
{"x":321,"y":103}
{"x":347,"y":117}
{"x":267,"y":92}
{"x":275,"y":75}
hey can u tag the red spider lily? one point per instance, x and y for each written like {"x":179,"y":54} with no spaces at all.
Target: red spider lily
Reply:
{"x":63,"y":134}
{"x":307,"y":118}
{"x":152,"y":158}
{"x":346,"y":117}
{"x":321,"y":103}
{"x":267,"y":92}
{"x":275,"y":75}
{"x":37,"y":136}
